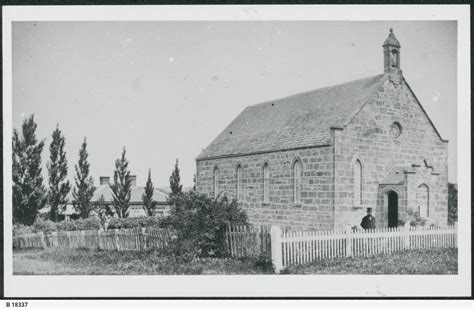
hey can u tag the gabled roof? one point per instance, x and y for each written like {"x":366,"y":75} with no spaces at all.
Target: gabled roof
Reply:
{"x":298,"y":121}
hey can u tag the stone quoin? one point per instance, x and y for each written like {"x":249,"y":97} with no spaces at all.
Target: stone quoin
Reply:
{"x":321,"y":158}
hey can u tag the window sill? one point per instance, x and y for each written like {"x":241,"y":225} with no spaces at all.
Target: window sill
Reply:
{"x":265,"y":204}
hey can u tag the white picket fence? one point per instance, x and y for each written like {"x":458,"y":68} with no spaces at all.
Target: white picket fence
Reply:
{"x":302,"y":247}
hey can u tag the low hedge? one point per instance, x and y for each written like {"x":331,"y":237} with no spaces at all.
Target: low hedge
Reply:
{"x":47,"y":226}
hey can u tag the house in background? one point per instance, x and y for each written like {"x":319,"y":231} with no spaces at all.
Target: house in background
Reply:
{"x":321,"y":158}
{"x":136,"y":203}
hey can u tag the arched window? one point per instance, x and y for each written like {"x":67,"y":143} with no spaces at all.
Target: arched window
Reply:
{"x":297,"y":171}
{"x":266,"y":182}
{"x":357,"y":183}
{"x":239,"y":182}
{"x":423,"y":200}
{"x":216,"y":181}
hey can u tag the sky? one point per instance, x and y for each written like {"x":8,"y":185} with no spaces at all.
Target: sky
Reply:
{"x":166,"y":89}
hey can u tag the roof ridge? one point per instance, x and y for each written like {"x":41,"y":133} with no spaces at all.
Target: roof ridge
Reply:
{"x":317,"y":89}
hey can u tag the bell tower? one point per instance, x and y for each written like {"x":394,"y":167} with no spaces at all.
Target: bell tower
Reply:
{"x":391,"y":54}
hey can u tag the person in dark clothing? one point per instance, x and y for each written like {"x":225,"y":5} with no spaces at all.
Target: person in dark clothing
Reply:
{"x":368,"y":222}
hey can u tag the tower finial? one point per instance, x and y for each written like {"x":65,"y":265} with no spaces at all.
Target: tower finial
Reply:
{"x":391,"y":52}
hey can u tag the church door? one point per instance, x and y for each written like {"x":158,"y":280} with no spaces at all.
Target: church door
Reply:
{"x":392,"y":209}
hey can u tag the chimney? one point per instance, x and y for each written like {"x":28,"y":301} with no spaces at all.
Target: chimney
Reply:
{"x":133,"y":178}
{"x":104,"y":180}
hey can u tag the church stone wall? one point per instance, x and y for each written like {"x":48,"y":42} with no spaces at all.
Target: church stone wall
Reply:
{"x":370,"y":139}
{"x":317,"y":191}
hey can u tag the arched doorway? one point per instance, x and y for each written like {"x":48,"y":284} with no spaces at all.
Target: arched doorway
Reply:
{"x":392,"y":209}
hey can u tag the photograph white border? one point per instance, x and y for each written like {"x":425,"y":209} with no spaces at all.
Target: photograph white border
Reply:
{"x":247,"y":285}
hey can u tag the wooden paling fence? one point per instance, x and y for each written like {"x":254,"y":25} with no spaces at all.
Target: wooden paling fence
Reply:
{"x":32,"y":240}
{"x":301,"y":247}
{"x":248,"y":241}
{"x":120,"y":239}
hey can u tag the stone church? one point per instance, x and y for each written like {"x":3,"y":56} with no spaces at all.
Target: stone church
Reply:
{"x":320,"y":158}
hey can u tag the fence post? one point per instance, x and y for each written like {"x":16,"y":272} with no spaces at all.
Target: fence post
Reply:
{"x":406,"y":235}
{"x":275,"y":235}
{"x":348,"y":241}
{"x":99,"y":238}
{"x":43,"y":240}
{"x":116,"y":240}
{"x":54,"y":239}
{"x":144,"y":237}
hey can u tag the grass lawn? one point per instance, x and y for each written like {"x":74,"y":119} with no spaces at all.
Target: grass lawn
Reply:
{"x":419,"y":262}
{"x":62,"y":261}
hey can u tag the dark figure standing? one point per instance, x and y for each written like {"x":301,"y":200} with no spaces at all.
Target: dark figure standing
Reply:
{"x":368,"y":222}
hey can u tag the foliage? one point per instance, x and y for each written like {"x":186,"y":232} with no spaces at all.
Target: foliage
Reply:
{"x":415,"y":218}
{"x":135,"y":222}
{"x":19,"y":229}
{"x":29,"y":193}
{"x":104,"y":213}
{"x":264,"y":264}
{"x":84,"y":189}
{"x":199,"y":222}
{"x":121,"y":187}
{"x":452,"y":203}
{"x":148,"y":203}
{"x":57,"y":171}
{"x":421,"y":262}
{"x":175,"y":183}
{"x":194,"y":182}
{"x":91,"y":223}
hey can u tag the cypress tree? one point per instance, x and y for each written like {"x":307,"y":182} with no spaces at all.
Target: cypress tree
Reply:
{"x":175,"y":185}
{"x":29,"y":193}
{"x":121,"y":187}
{"x":147,"y":197}
{"x":84,"y":184}
{"x":57,"y":171}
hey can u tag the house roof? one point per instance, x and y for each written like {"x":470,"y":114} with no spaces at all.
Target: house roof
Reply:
{"x":298,"y":121}
{"x":135,"y":196}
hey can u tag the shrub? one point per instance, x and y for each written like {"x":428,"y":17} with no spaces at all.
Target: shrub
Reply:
{"x":19,"y":229}
{"x":45,"y":226}
{"x":136,"y":222}
{"x":93,"y":223}
{"x":264,"y":264}
{"x":199,"y":223}
{"x":79,"y":225}
{"x":452,"y":203}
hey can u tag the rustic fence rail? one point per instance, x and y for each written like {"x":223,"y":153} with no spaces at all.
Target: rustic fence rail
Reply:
{"x":301,"y":247}
{"x":248,"y":241}
{"x":120,"y":240}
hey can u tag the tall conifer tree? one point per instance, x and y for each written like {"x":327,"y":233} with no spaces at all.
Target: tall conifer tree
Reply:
{"x":148,"y":203}
{"x":29,"y":193}
{"x":122,"y":186}
{"x":84,"y":184}
{"x":175,"y":181}
{"x":57,"y":170}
